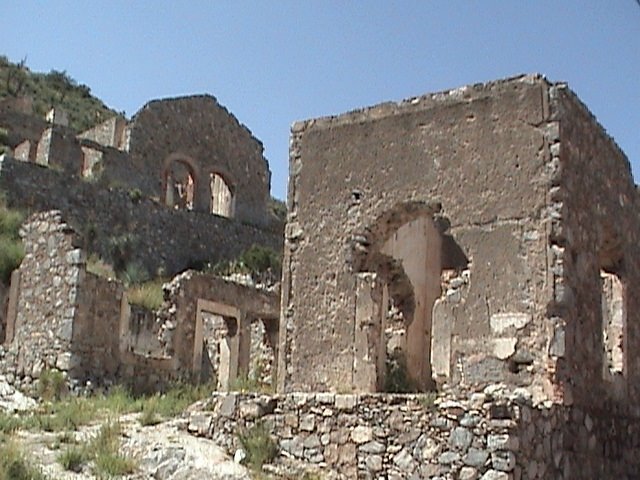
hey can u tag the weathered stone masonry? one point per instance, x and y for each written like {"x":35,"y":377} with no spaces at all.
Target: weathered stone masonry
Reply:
{"x":164,"y":240}
{"x":492,"y":231}
{"x":495,"y":434}
{"x":62,"y":316}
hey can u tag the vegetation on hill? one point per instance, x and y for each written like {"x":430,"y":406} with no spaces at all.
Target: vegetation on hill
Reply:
{"x":53,"y":89}
{"x":278,"y":209}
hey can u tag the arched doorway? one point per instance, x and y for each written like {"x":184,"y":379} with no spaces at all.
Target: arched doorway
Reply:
{"x":222,"y":198}
{"x":398,"y":264}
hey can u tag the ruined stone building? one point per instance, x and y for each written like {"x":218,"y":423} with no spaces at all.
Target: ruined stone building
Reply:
{"x":457,"y":291}
{"x":117,"y":180}
{"x":181,"y":186}
{"x":483,"y":236}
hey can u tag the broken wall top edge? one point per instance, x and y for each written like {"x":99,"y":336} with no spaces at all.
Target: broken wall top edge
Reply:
{"x":422,"y":102}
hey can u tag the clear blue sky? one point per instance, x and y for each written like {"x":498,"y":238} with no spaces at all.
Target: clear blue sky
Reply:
{"x":274,"y":62}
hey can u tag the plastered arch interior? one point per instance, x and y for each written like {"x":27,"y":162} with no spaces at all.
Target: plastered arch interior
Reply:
{"x":398,"y":264}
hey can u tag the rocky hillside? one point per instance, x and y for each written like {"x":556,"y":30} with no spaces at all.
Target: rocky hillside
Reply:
{"x":53,"y":89}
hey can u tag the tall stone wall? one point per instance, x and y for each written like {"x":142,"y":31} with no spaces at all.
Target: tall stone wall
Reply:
{"x":473,"y":162}
{"x":110,"y":133}
{"x":200,"y":133}
{"x":160,"y":239}
{"x":58,"y":148}
{"x":595,"y":237}
{"x":47,"y":297}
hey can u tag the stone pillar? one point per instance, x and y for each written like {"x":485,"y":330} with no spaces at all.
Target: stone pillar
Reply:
{"x":229,"y":353}
{"x":12,"y":310}
{"x":244,"y":344}
{"x":368,"y":333}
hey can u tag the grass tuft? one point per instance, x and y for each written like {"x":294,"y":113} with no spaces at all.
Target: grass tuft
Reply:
{"x":258,"y":445}
{"x":99,"y":267}
{"x":148,"y":295}
{"x":51,"y":385}
{"x":104,"y":449}
{"x":73,"y":458}
{"x":15,"y":466}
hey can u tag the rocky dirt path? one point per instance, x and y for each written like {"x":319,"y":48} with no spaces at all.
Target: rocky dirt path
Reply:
{"x":161,"y":452}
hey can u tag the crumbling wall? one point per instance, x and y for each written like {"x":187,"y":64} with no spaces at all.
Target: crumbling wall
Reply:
{"x":46,"y":297}
{"x":595,"y":240}
{"x":159,"y":239}
{"x":199,"y":131}
{"x":96,"y":329}
{"x":58,"y":148}
{"x":110,"y":133}
{"x":473,"y":161}
{"x":189,"y":298}
{"x":491,"y":434}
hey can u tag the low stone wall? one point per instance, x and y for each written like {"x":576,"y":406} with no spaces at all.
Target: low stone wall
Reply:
{"x":158,"y":238}
{"x":490,"y":435}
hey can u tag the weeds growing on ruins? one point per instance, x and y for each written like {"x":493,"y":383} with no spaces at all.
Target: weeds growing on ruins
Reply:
{"x":11,"y":249}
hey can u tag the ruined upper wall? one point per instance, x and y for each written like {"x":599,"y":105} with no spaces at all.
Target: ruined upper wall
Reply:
{"x":111,"y":133}
{"x":473,"y":161}
{"x":160,"y":239}
{"x":205,"y":138}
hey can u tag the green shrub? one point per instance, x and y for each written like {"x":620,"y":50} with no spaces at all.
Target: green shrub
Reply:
{"x":149,"y":414}
{"x":114,"y":464}
{"x":118,"y":401}
{"x":4,"y":136}
{"x":397,"y":378}
{"x":262,"y":263}
{"x":9,"y":423}
{"x":64,"y":415}
{"x":135,"y":195}
{"x":11,"y":256}
{"x":54,"y":88}
{"x":260,"y":260}
{"x":278,"y":208}
{"x":134,"y":274}
{"x":180,"y":396}
{"x":250,"y":383}
{"x":11,"y":249}
{"x":148,"y":295}
{"x":99,"y":267}
{"x":51,"y":385}
{"x":10,"y":222}
{"x":121,"y":249}
{"x":428,"y":399}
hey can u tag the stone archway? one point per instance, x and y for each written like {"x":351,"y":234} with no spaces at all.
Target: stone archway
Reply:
{"x":181,"y":182}
{"x":398,"y":264}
